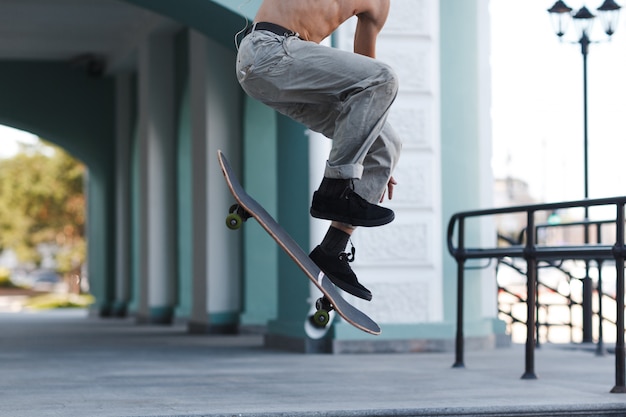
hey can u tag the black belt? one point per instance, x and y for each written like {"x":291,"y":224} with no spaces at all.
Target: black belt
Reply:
{"x":271,"y":27}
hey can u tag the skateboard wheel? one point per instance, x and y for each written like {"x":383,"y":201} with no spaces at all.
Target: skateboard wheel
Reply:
{"x":234,"y":221}
{"x":321,"y":318}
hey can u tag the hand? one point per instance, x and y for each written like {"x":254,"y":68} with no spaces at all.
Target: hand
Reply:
{"x":392,"y":182}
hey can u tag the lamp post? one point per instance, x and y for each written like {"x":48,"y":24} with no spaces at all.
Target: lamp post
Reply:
{"x":583,"y":19}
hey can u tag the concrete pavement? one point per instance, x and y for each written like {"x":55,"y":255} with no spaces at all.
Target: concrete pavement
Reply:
{"x":64,"y":364}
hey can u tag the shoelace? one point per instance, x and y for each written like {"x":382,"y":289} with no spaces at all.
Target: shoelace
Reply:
{"x":348,"y":257}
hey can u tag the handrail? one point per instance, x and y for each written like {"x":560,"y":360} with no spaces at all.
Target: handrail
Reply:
{"x":532,"y":252}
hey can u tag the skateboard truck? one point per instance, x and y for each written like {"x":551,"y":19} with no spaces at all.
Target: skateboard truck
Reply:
{"x":321,"y":317}
{"x":236,"y":217}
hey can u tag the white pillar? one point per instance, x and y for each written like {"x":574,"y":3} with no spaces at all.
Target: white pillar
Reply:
{"x":157,"y":137}
{"x":199,"y":169}
{"x":402,"y":262}
{"x":123,"y":137}
{"x":215,"y":108}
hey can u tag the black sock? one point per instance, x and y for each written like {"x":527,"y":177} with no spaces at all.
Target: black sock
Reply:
{"x":333,"y":187}
{"x":335,"y":241}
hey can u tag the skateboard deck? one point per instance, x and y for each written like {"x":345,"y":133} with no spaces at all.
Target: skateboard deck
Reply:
{"x":332,"y":300}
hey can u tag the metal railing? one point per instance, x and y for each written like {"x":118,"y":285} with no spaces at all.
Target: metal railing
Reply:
{"x":550,"y":298}
{"x":533,"y":252}
{"x":560,"y":295}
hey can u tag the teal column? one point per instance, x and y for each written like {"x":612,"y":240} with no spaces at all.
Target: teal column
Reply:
{"x":100,"y":235}
{"x":463,"y":145}
{"x":260,"y":179}
{"x":293,"y":214}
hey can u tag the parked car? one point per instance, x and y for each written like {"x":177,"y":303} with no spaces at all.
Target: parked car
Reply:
{"x":44,"y":280}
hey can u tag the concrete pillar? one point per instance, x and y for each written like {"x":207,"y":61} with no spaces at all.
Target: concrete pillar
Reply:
{"x":184,"y":180}
{"x":123,"y":133}
{"x":157,"y":144}
{"x":217,"y":257}
{"x":466,"y":155}
{"x":198,"y":320}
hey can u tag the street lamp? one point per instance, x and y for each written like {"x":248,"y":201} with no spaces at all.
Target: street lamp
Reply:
{"x":583,"y":19}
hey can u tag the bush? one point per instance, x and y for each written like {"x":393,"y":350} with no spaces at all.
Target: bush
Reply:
{"x":5,"y":278}
{"x":50,"y":301}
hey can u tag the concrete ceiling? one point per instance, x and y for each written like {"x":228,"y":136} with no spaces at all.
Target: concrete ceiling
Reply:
{"x":64,"y":30}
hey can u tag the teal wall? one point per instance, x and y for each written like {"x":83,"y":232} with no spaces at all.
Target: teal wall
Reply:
{"x":65,"y":106}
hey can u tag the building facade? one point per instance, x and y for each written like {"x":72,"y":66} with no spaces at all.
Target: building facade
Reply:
{"x":149,"y":124}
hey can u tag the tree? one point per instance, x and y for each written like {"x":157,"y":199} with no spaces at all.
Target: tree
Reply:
{"x":42,"y":202}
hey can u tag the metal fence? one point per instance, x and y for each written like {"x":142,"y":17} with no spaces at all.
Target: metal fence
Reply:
{"x":532,"y":251}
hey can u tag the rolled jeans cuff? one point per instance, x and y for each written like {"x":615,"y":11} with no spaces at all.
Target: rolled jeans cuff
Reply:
{"x":350,"y":171}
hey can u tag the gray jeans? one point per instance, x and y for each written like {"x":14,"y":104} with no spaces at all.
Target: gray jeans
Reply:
{"x":342,"y":95}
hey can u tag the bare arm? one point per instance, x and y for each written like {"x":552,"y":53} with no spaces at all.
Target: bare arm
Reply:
{"x":370,"y":23}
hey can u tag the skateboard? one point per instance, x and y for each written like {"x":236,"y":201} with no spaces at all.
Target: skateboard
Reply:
{"x":331,"y":300}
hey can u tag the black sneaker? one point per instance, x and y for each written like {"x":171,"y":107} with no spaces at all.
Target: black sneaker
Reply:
{"x":338,"y":270}
{"x":350,"y":208}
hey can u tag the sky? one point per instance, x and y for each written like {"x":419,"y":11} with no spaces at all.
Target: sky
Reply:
{"x":537,"y":104}
{"x":10,"y":139}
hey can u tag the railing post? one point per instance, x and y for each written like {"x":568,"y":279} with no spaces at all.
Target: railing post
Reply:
{"x":618,"y":251}
{"x":600,"y":345}
{"x":531,"y":292}
{"x":460,"y":273}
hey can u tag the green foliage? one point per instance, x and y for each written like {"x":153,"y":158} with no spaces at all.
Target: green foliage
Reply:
{"x":42,"y":201}
{"x":50,"y":301}
{"x":5,"y":278}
